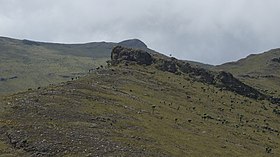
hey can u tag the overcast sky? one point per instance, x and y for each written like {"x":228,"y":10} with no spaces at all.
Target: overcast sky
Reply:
{"x":209,"y":31}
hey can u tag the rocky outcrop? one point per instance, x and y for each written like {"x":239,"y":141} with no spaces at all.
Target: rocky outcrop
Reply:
{"x":199,"y":73}
{"x":276,"y":60}
{"x":123,"y":54}
{"x":227,"y":81}
{"x":223,"y":80}
{"x":275,"y":100}
{"x":166,"y":65}
{"x":176,"y":66}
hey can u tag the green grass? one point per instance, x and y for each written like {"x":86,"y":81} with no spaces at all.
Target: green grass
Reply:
{"x":38,"y":64}
{"x":46,"y":63}
{"x":258,"y":67}
{"x":258,"y":64}
{"x":129,"y":110}
{"x":116,"y":105}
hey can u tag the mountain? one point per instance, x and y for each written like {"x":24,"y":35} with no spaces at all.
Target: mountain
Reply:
{"x":261,"y":71}
{"x":133,"y":43}
{"x":142,"y":104}
{"x":26,"y":64}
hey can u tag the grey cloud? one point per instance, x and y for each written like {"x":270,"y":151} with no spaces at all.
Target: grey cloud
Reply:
{"x":209,"y":31}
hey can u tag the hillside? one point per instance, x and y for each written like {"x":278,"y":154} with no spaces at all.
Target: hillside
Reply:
{"x":259,"y":70}
{"x":26,"y":64}
{"x":142,"y":105}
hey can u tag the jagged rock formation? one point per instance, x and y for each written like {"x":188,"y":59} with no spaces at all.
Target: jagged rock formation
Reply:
{"x":198,"y":73}
{"x":128,"y":109}
{"x":166,"y":65}
{"x":223,"y":80}
{"x":120,"y":54}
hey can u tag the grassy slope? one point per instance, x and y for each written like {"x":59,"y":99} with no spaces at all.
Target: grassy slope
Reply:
{"x":257,"y":64}
{"x":38,"y":64}
{"x":41,"y":64}
{"x":110,"y":112}
{"x":258,"y":67}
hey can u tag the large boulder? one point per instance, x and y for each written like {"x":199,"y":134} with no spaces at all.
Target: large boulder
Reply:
{"x":123,"y":54}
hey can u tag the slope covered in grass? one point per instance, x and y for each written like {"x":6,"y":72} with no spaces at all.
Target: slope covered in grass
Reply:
{"x":138,"y":108}
{"x":259,"y":70}
{"x":28,"y":64}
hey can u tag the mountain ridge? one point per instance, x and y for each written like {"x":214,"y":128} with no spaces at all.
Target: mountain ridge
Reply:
{"x":221,"y":79}
{"x":27,"y":62}
{"x":35,"y":64}
{"x":258,"y":70}
{"x":135,"y":108}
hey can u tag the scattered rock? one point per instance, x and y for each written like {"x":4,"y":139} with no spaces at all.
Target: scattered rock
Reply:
{"x":31,"y":43}
{"x":3,"y":79}
{"x":9,"y":78}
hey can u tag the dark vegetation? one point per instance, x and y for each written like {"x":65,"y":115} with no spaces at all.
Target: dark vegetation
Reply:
{"x":142,"y":104}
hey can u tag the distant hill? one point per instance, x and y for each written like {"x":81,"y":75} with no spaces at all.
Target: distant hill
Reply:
{"x":133,"y":43}
{"x":142,"y":104}
{"x":259,"y":70}
{"x":28,"y":64}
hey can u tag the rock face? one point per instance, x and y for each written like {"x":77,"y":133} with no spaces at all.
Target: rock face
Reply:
{"x":276,"y":60}
{"x":229,"y":82}
{"x":223,"y":80}
{"x":176,"y":66}
{"x":120,"y":54}
{"x":198,"y":73}
{"x":166,"y":65}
